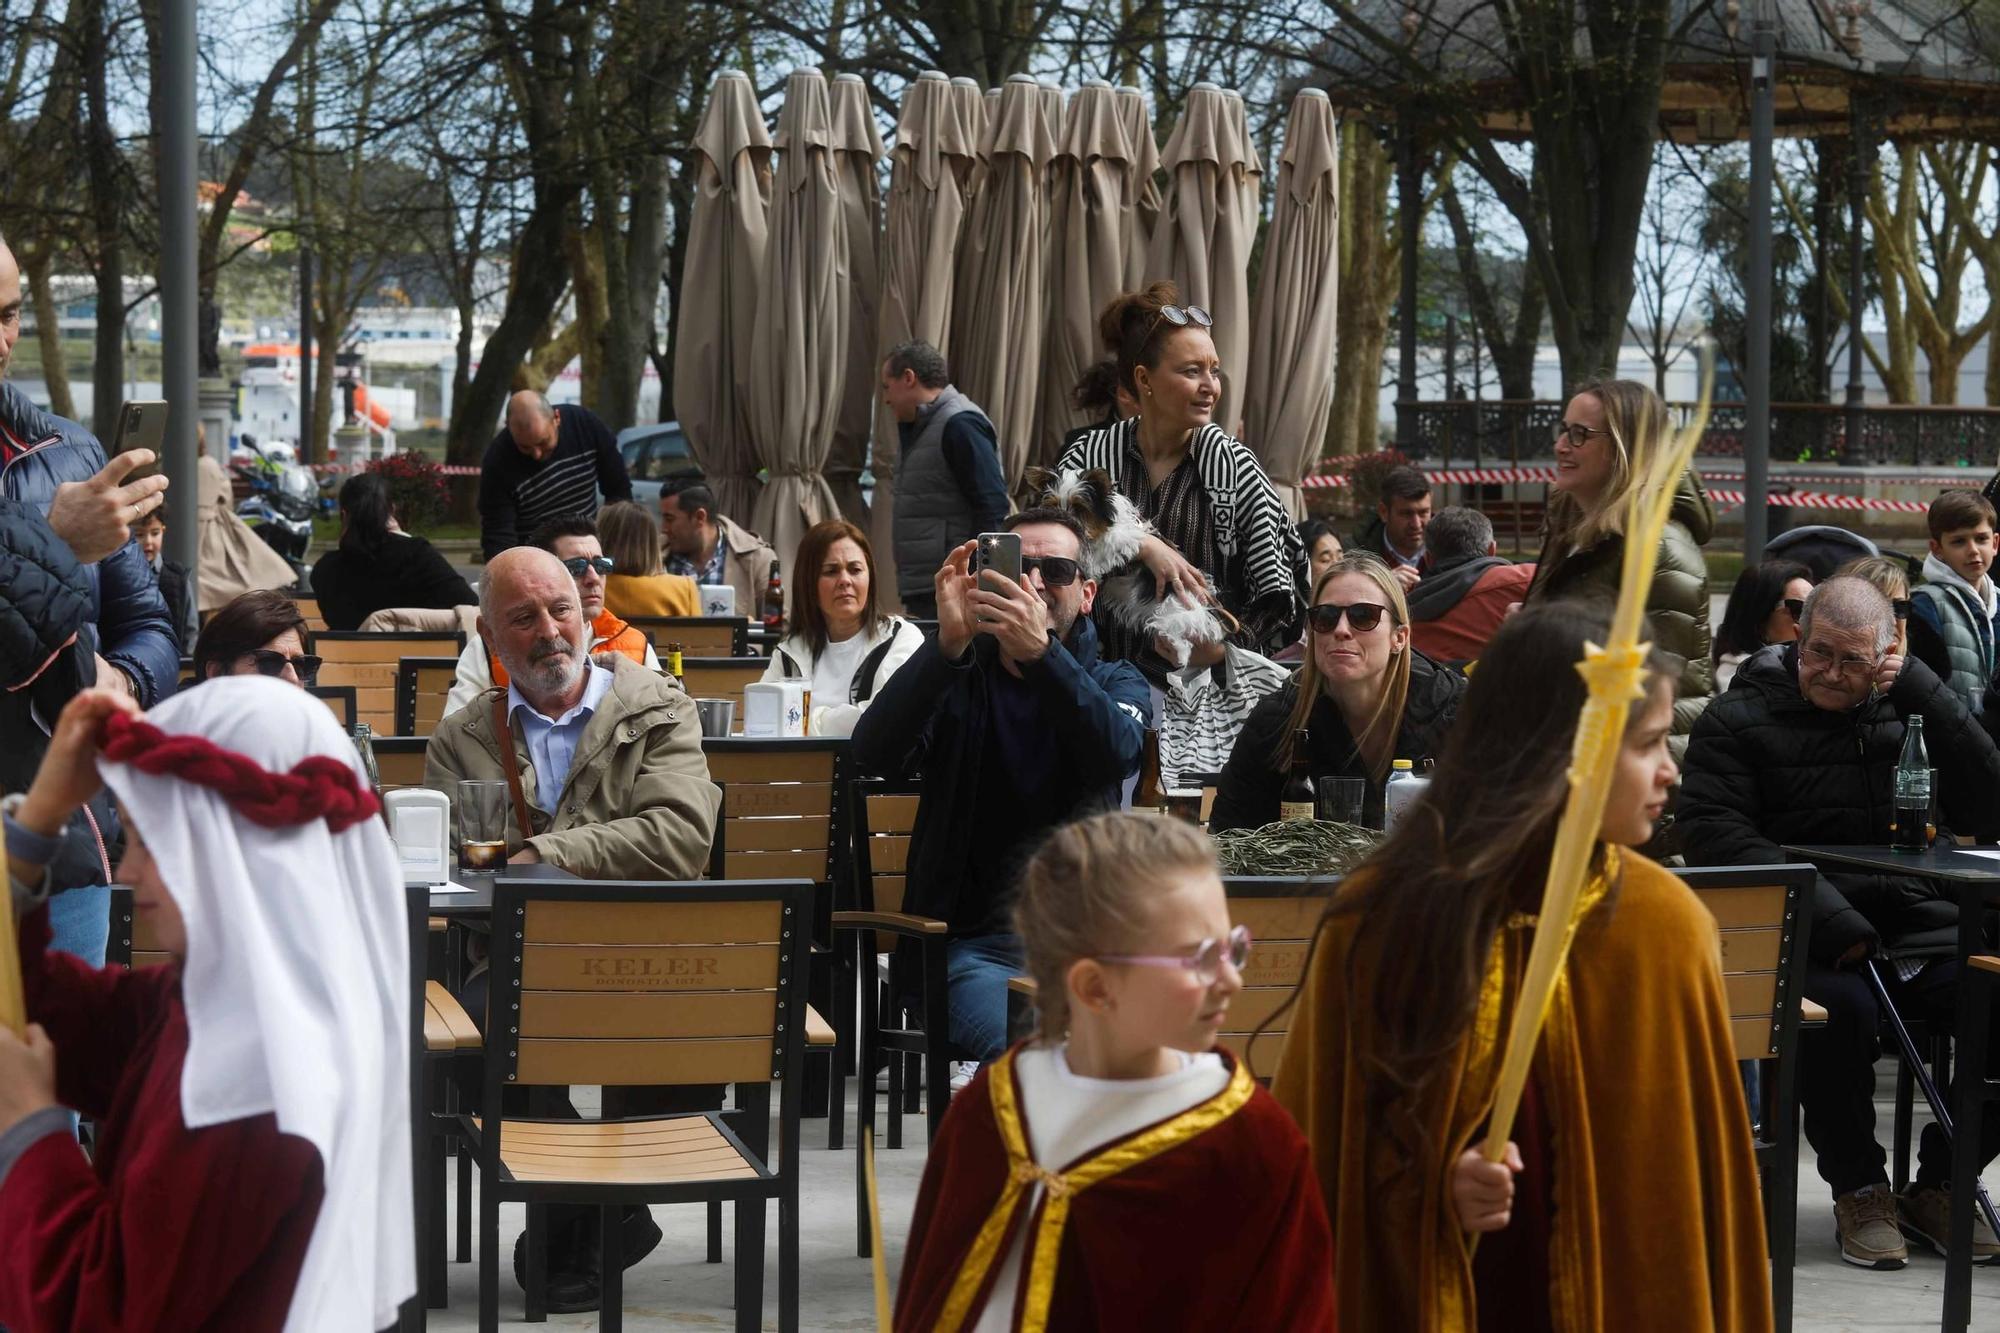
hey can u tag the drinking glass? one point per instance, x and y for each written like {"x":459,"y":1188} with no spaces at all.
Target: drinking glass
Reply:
{"x":1340,"y":800}
{"x":482,"y":825}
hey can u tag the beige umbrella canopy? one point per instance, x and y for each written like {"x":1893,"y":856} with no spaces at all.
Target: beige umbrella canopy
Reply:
{"x":1089,"y":208}
{"x":1143,"y":163}
{"x":1202,"y":240}
{"x":799,"y":345}
{"x":998,"y":297}
{"x":857,"y":148}
{"x":1288,"y":395}
{"x":930,"y":176}
{"x":721,"y":277}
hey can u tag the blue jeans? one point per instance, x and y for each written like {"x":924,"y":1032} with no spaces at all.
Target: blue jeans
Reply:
{"x":80,"y":922}
{"x":977,"y":969}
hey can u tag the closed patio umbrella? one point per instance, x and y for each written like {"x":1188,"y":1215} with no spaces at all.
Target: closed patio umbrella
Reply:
{"x":1143,"y":161}
{"x":720,"y":280}
{"x":1288,"y":396}
{"x":802,"y":321}
{"x":1202,"y":241}
{"x":999,"y":296}
{"x":1089,"y":209}
{"x":857,"y":149}
{"x":930,"y":175}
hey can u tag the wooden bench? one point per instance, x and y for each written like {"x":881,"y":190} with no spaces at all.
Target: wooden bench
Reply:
{"x":422,"y":686}
{"x":698,"y":636}
{"x":370,"y":662}
{"x":309,"y":608}
{"x":721,"y":678}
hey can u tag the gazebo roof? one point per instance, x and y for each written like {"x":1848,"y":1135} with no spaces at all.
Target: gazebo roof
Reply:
{"x":1929,"y":64}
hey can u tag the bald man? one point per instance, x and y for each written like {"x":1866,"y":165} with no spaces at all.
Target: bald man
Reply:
{"x":549,"y":462}
{"x":608,"y":752}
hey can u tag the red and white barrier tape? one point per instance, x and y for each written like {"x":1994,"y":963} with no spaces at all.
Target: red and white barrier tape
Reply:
{"x":1728,"y":499}
{"x":448,"y":469}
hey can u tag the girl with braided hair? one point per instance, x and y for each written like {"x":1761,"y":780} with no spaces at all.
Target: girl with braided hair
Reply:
{"x":252,"y":1169}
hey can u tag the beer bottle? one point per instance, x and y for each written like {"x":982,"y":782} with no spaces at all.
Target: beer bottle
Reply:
{"x":774,"y":601}
{"x":363,"y":737}
{"x":1298,"y":801}
{"x":674,"y":665}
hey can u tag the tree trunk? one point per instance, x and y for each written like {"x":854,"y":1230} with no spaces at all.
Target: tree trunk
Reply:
{"x":37,"y":265}
{"x":1362,"y":324}
{"x":101,"y":169}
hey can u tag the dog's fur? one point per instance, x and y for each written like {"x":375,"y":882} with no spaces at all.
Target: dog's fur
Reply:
{"x":1126,"y":590}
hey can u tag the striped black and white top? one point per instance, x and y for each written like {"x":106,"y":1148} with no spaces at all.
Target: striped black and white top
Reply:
{"x":1203,"y":712}
{"x":517,"y":494}
{"x":1233,"y":525}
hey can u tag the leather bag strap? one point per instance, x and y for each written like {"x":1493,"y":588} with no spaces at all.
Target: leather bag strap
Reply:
{"x":503,"y":737}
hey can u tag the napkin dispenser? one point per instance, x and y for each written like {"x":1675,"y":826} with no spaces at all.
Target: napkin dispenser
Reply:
{"x":776,"y":708}
{"x":420,"y":822}
{"x":717,"y":599}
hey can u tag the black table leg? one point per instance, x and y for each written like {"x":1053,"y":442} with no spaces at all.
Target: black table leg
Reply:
{"x":1966,"y":1097}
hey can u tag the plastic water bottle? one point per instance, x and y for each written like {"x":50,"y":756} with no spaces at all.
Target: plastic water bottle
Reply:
{"x":1911,"y":830}
{"x":1404,"y":789}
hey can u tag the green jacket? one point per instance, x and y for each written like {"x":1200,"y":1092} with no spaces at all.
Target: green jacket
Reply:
{"x":1677,"y":606}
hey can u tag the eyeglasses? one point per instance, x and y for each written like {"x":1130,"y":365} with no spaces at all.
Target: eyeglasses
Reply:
{"x":1204,"y":960}
{"x":576,"y":564}
{"x":1181,"y":317}
{"x":1846,"y":666}
{"x":1361,"y":616}
{"x":1901,"y":606}
{"x":1579,"y":434}
{"x":1795,"y":607}
{"x":1058,"y":571}
{"x":271,"y":662}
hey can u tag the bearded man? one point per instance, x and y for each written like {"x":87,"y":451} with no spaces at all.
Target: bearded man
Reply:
{"x":603,"y":755}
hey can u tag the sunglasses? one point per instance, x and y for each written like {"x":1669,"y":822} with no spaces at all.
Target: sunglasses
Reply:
{"x":1901,"y":606}
{"x":1181,"y":317}
{"x":1578,"y":433}
{"x":1204,"y":960}
{"x":271,"y":662}
{"x":1058,"y":571}
{"x":1361,"y":616}
{"x":1795,"y":607}
{"x":576,"y":564}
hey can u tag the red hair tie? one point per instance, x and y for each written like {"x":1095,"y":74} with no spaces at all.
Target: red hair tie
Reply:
{"x":317,"y":787}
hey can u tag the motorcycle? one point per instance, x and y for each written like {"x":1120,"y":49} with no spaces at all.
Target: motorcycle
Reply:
{"x":283,"y":497}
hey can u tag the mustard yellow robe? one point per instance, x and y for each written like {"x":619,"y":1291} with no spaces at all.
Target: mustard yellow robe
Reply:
{"x":1657,"y":1218}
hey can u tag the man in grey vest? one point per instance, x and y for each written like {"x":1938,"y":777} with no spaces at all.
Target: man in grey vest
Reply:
{"x":948,"y":483}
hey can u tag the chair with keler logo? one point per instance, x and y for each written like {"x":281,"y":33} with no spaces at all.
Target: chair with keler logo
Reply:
{"x":619,"y":985}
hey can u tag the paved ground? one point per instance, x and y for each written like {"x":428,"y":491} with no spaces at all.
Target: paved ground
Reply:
{"x":674,"y":1289}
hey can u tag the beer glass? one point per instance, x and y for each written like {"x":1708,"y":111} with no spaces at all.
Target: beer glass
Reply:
{"x":482,"y":825}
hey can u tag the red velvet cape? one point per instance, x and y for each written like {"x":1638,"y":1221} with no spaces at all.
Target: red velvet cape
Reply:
{"x":170,"y":1230}
{"x":1220,"y":1227}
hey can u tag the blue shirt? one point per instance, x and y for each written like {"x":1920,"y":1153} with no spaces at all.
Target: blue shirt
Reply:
{"x":552,"y":742}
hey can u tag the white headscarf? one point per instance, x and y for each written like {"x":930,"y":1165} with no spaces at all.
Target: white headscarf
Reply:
{"x":296,"y":984}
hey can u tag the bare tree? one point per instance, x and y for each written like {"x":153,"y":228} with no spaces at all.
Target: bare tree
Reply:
{"x":1669,"y":272}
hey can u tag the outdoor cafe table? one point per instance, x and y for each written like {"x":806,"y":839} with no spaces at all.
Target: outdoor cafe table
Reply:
{"x":478,"y":904}
{"x":1974,"y":877}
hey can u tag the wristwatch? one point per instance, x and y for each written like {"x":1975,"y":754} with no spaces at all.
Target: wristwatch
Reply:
{"x":24,"y":843}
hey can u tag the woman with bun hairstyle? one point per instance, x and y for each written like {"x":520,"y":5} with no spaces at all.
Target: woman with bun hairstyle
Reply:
{"x":1218,"y":527}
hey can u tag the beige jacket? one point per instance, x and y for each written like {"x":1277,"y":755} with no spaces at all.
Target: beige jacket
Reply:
{"x":747,"y":567}
{"x":638,"y":804}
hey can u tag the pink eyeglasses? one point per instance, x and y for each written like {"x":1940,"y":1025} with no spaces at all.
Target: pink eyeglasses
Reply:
{"x":1205,"y":960}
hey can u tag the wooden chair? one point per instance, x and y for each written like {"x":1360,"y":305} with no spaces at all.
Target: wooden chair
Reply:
{"x":698,"y":636}
{"x":131,"y":942}
{"x":422,"y":685}
{"x":340,"y":699}
{"x":309,"y":608}
{"x":399,"y":761}
{"x":647,"y":984}
{"x":1765,"y":916}
{"x":883,"y":814}
{"x":1283,"y":912}
{"x":369,"y":662}
{"x":721,"y":678}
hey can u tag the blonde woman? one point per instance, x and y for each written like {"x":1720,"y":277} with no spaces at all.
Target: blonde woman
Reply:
{"x":1363,"y":696}
{"x":637,"y":584}
{"x":1891,"y":578}
{"x":1608,"y":432}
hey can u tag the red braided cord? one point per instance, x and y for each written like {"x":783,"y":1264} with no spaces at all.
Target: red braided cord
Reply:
{"x":317,"y":787}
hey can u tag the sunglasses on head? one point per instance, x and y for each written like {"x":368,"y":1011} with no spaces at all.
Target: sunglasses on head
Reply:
{"x":1058,"y":571}
{"x":271,"y":662}
{"x":576,"y":564}
{"x":1361,"y":616}
{"x":1181,"y":317}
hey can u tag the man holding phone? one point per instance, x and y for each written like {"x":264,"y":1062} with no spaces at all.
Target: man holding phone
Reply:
{"x":1015,"y":726}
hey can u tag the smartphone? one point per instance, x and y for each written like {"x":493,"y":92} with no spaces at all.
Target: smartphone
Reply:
{"x":999,"y":552}
{"x":142,"y":425}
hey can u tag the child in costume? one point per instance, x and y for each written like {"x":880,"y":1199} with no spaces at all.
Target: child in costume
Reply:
{"x":1116,"y":1171}
{"x":1628,"y":1196}
{"x":252,"y":1170}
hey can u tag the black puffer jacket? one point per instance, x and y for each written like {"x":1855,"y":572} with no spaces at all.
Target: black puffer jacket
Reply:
{"x":47,"y":653}
{"x":1247,"y":794}
{"x":1765,"y":767}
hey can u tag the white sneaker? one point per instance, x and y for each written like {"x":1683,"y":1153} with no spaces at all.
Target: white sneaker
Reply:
{"x":962,"y":1072}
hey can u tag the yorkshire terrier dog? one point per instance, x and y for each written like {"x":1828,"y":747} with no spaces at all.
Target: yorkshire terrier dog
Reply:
{"x":1127,"y":592}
